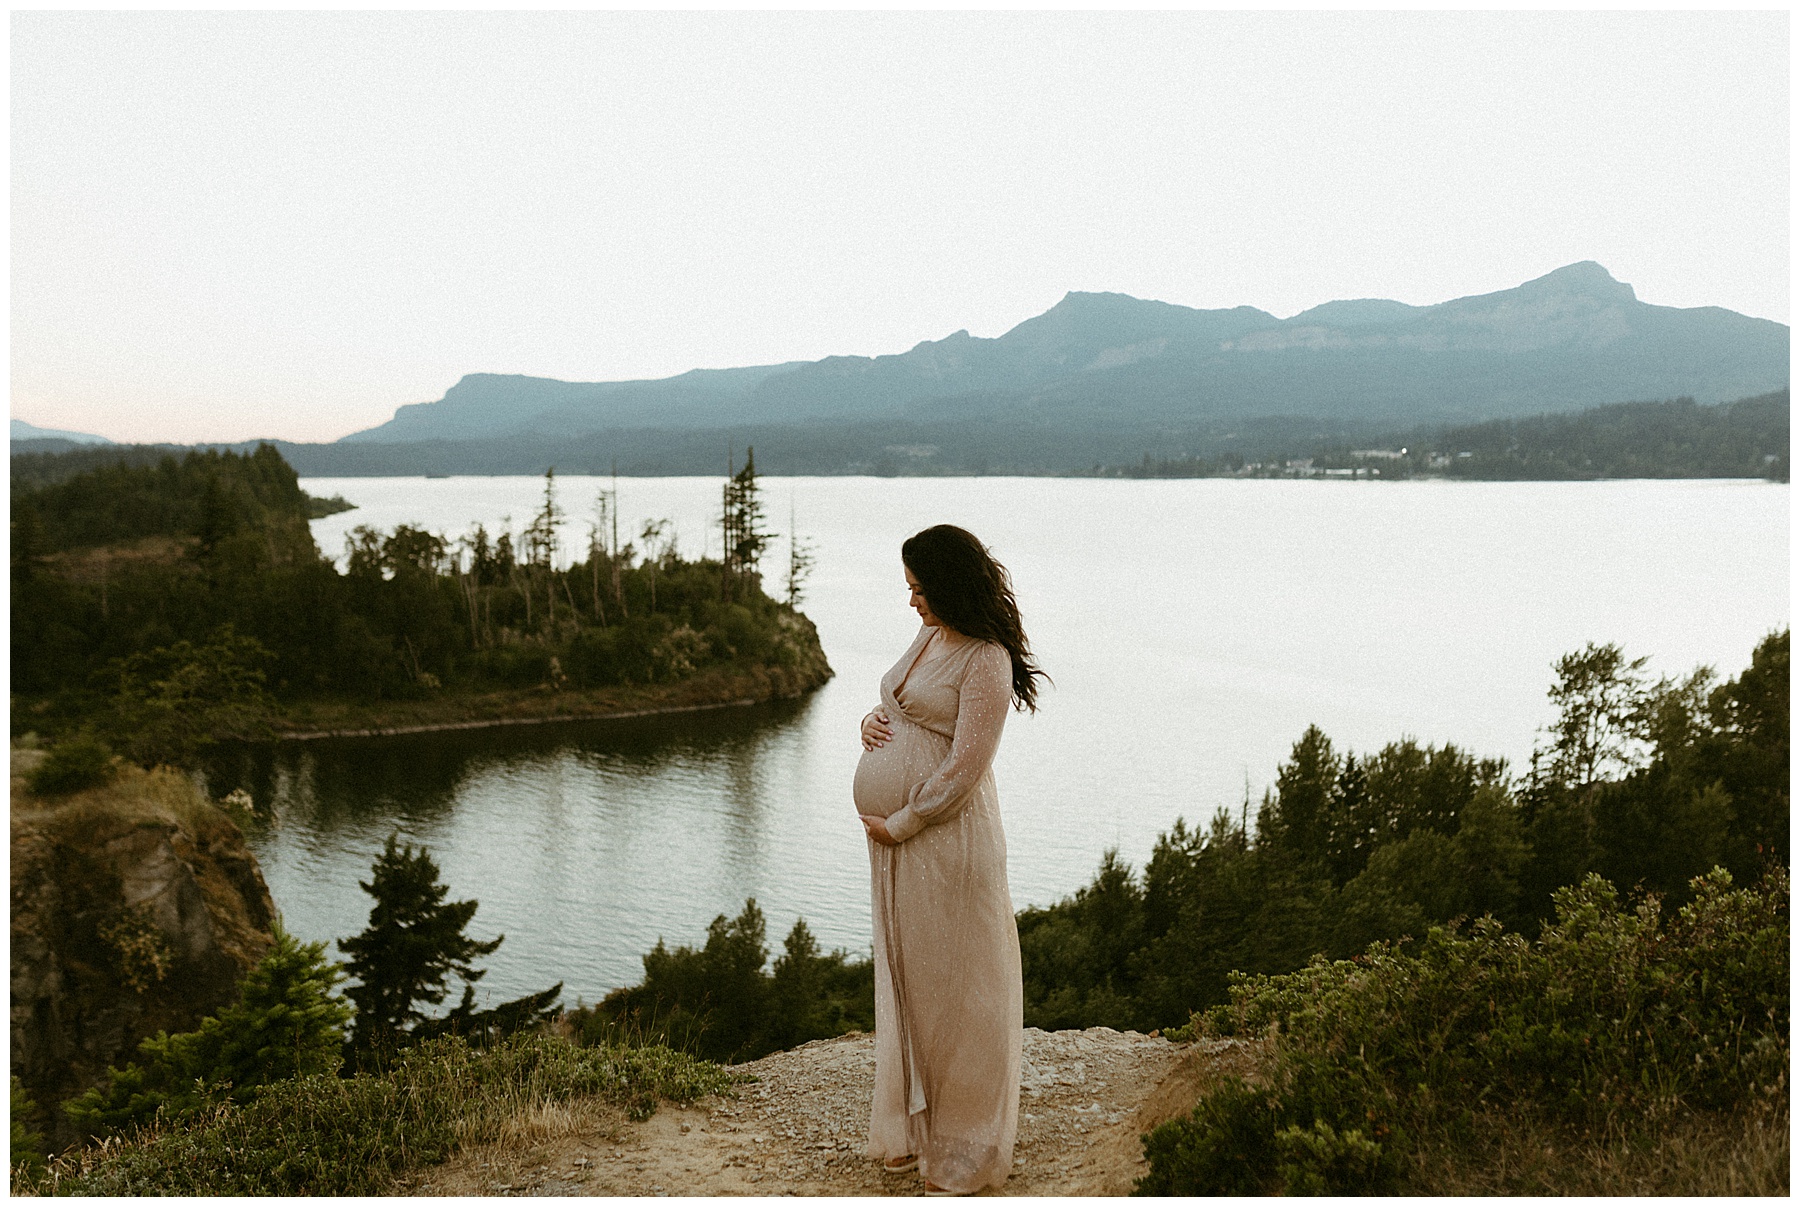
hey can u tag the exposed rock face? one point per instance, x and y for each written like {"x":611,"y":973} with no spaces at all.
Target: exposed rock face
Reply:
{"x":136,"y":908}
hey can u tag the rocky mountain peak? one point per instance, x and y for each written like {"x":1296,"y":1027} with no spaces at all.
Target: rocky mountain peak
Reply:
{"x":1585,"y":278}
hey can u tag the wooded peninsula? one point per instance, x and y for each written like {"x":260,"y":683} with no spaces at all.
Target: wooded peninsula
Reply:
{"x":159,"y":606}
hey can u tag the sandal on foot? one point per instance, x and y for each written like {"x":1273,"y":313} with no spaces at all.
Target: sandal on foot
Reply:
{"x":900,"y":1164}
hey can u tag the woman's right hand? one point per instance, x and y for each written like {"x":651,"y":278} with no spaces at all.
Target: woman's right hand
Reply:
{"x":876,"y":732}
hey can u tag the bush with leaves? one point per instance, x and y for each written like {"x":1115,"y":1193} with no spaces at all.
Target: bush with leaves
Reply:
{"x":1613,"y":1015}
{"x":25,"y":1156}
{"x":82,"y":762}
{"x":286,"y":1023}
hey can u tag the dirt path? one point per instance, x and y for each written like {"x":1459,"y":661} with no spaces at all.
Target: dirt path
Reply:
{"x":1086,"y":1096}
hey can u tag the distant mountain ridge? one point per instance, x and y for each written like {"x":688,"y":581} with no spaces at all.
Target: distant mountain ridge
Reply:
{"x":1573,"y":338}
{"x":31,"y":431}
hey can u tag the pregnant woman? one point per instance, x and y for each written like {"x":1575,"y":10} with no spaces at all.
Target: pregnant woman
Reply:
{"x":948,"y":1002}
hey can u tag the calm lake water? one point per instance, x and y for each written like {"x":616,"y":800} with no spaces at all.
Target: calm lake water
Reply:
{"x":1193,"y":628}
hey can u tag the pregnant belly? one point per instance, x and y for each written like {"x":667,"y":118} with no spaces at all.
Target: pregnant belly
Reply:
{"x":888,"y":773}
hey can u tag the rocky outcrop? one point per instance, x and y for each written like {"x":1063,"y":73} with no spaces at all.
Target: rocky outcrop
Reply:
{"x":136,"y":908}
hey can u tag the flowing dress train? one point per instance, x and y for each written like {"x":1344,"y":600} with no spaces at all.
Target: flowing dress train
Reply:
{"x":948,"y":1000}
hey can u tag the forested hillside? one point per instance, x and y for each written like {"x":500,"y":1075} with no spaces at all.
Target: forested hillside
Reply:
{"x":103,"y":501}
{"x":1679,"y":439}
{"x":1674,"y":439}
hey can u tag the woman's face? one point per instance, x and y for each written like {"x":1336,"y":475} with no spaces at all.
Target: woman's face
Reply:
{"x":918,"y":601}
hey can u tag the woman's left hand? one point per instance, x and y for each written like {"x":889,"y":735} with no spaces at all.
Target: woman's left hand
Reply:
{"x":876,"y":827}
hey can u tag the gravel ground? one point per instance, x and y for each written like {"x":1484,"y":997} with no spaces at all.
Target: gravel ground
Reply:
{"x":1085,"y":1098}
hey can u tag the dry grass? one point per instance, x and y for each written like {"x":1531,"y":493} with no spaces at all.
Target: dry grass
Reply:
{"x":101,"y":563}
{"x":161,"y":796}
{"x":1689,"y":1153}
{"x":542,"y":1122}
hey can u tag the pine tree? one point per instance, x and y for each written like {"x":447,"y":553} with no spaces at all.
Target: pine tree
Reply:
{"x":413,"y":943}
{"x":745,"y":538}
{"x":800,"y":563}
{"x":540,"y":538}
{"x":799,"y":1009}
{"x":26,"y":1153}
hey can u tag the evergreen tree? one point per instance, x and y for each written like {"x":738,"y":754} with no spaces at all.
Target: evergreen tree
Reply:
{"x":540,"y":537}
{"x":744,"y":538}
{"x":1748,"y":751}
{"x":800,"y":1009}
{"x":25,"y":1155}
{"x":413,"y":943}
{"x":1300,"y":824}
{"x":801,"y":559}
{"x":1355,"y":823}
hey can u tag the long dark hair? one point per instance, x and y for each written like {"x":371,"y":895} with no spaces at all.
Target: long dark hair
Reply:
{"x":972,"y":593}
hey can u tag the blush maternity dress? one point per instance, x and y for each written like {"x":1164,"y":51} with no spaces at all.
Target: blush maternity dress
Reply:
{"x":948,"y":1000}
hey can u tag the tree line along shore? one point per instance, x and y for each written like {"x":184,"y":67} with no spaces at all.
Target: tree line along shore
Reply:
{"x":1671,"y":439}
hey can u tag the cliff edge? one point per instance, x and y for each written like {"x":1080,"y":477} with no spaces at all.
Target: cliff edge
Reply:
{"x":800,"y":1128}
{"x":136,"y":908}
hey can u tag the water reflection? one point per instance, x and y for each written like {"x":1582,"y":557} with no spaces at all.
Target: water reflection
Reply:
{"x":584,"y":841}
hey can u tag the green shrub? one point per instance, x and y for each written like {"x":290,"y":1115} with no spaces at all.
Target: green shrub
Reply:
{"x":594,"y":658}
{"x":521,"y":665}
{"x":1321,"y":1160}
{"x":737,"y":632}
{"x":286,"y":1023}
{"x":26,"y":1154}
{"x":322,"y":1134}
{"x":79,"y":763}
{"x":1226,"y":1146}
{"x":1615,"y":1015}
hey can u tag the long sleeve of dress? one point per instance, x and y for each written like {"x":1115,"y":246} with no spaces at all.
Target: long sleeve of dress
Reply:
{"x":983,"y":701}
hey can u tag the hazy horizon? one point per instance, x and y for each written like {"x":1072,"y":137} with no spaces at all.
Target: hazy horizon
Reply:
{"x":239,"y":225}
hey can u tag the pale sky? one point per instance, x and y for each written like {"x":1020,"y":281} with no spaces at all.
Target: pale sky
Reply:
{"x":232,"y":225}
